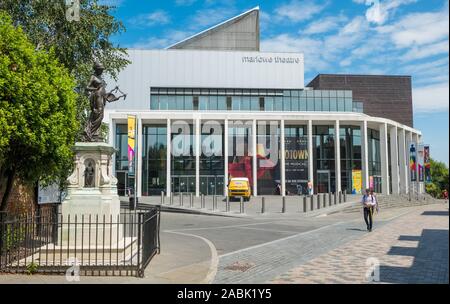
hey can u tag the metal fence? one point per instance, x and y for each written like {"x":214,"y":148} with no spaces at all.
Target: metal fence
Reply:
{"x":49,"y":242}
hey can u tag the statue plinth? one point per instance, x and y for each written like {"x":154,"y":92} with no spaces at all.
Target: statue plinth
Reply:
{"x":92,"y":190}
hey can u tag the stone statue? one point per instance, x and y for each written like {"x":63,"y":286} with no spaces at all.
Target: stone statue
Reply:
{"x":98,"y":97}
{"x":89,"y":175}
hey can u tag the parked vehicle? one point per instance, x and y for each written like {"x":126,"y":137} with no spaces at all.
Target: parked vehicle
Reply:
{"x":239,"y":187}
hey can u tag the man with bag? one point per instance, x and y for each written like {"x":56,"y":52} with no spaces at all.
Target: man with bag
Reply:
{"x":369,"y":201}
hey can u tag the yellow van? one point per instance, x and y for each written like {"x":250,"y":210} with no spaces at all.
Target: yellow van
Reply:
{"x":239,"y":187}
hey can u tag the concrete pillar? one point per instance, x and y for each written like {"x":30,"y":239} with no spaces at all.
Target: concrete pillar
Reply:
{"x":310,"y":153}
{"x":282,"y":158}
{"x":384,"y":159}
{"x":337,"y":156}
{"x":254,"y":159}
{"x":364,"y":155}
{"x":403,"y":165}
{"x":139,"y":157}
{"x":225,"y":158}
{"x":168,"y":158}
{"x":394,"y":161}
{"x":197,"y":139}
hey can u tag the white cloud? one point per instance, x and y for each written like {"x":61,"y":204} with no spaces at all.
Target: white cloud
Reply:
{"x":324,"y":25}
{"x":380,"y":11}
{"x":158,"y":17}
{"x":211,"y":16}
{"x":170,"y":37}
{"x":298,"y":11}
{"x":433,"y":98}
{"x":418,"y":52}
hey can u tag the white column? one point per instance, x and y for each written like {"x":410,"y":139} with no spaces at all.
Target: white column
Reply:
{"x":168,"y":158}
{"x":254,"y":159}
{"x":310,"y":153}
{"x":403,"y":166}
{"x":337,"y":156}
{"x":384,"y":159}
{"x":139,"y":157}
{"x":364,"y":155}
{"x":394,"y":161}
{"x":197,"y":139}
{"x":225,"y":158}
{"x":282,"y":158}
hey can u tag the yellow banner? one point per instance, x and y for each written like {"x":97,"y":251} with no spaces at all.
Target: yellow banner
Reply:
{"x":356,"y":181}
{"x":131,"y":141}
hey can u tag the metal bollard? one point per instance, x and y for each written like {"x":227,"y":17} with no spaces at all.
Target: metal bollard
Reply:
{"x":304,"y":203}
{"x":171,"y":199}
{"x":312,"y":203}
{"x":263,"y":204}
{"x":162,"y":197}
{"x":345,"y":195}
{"x":335,"y":198}
{"x":227,"y":204}
{"x":241,"y":205}
{"x":283,"y":204}
{"x":191,"y":200}
{"x":340,"y":197}
{"x":181,"y":199}
{"x":318,"y":200}
{"x":329,"y":199}
{"x":324,"y":200}
{"x":202,"y":201}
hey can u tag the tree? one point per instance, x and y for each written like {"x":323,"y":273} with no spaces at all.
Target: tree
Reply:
{"x":439,"y":178}
{"x":76,"y":44}
{"x":37,"y":112}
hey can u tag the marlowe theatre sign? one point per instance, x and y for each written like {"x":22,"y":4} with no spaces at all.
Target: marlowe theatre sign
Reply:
{"x":270,"y":59}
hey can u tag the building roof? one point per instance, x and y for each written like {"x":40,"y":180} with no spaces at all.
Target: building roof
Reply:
{"x":240,"y":33}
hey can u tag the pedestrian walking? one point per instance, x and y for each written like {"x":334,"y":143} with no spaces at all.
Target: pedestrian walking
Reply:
{"x":369,"y":203}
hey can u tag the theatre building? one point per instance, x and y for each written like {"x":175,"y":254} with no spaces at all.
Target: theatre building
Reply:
{"x":246,"y":113}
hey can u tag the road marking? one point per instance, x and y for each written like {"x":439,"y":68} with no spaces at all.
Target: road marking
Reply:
{"x":219,"y":227}
{"x":214,"y":257}
{"x":269,"y":230}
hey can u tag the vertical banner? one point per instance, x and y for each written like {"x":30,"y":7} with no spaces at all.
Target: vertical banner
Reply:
{"x":371,"y":183}
{"x":420,"y":163}
{"x":131,"y":143}
{"x":426,"y":163}
{"x":356,"y":181}
{"x":413,"y":161}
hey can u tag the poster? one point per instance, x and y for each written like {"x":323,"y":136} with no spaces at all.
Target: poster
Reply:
{"x":426,"y":163}
{"x":131,"y":143}
{"x":296,"y":166}
{"x":420,"y":163}
{"x":413,"y":162}
{"x":356,"y":181}
{"x":371,"y":183}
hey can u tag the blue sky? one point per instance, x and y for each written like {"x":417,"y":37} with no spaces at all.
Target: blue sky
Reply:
{"x":402,"y":37}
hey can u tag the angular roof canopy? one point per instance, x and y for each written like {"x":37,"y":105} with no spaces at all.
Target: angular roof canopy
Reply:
{"x":240,"y":33}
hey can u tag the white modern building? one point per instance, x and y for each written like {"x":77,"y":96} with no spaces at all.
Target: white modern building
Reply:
{"x":339,"y":131}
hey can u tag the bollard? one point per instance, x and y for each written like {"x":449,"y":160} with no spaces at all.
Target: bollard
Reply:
{"x":324,"y":200}
{"x":180,"y":198}
{"x":241,"y":205}
{"x":329,"y":199}
{"x":283,"y":204}
{"x":312,"y":202}
{"x":335,"y":198}
{"x":191,"y":200}
{"x":304,"y":203}
{"x":263,"y":204}
{"x":227,"y":204}
{"x":171,"y":199}
{"x":340,"y":197}
{"x":162,"y":197}
{"x":345,"y":195}
{"x":318,"y":200}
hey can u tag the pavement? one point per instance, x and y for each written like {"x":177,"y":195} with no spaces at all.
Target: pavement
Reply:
{"x":328,"y":247}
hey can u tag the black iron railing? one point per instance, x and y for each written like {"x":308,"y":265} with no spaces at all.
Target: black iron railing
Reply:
{"x":93,"y":244}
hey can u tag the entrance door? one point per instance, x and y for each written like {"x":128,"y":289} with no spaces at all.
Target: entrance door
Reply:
{"x":122,"y":183}
{"x":323,"y":181}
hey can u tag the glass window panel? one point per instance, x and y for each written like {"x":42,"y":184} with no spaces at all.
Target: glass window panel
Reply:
{"x":154,"y":102}
{"x":237,"y":92}
{"x":317,"y":104}
{"x":302,"y":104}
{"x":254,"y":92}
{"x":246,"y":92}
{"x":333,"y":105}
{"x":340,"y":93}
{"x":188,"y":103}
{"x":236,"y":103}
{"x":162,"y":91}
{"x":309,"y":93}
{"x":310,"y":104}
{"x":348,"y":94}
{"x":212,"y":103}
{"x":254,"y":103}
{"x":278,"y":103}
{"x":286,"y":93}
{"x":188,"y":91}
{"x":317,"y":93}
{"x":294,"y":93}
{"x":348,"y":105}
{"x":221,"y":92}
{"x":203,"y":103}
{"x":268,"y":103}
{"x":295,"y":106}
{"x":245,"y":103}
{"x":286,"y":103}
{"x":341,"y":105}
{"x":302,"y":93}
{"x":213,"y":92}
{"x":333,"y":93}
{"x":171,"y":102}
{"x":179,"y":91}
{"x":163,"y":102}
{"x":325,"y":104}
{"x":205,"y":92}
{"x":180,"y":103}
{"x":171,"y":91}
{"x":221,"y":103}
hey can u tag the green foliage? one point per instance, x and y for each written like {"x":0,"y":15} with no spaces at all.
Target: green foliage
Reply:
{"x":32,"y":268}
{"x":439,"y":178}
{"x":37,"y":109}
{"x":12,"y":236}
{"x":76,"y":44}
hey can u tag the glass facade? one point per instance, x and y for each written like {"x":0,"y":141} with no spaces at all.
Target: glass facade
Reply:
{"x":350,"y":146}
{"x":296,"y":159}
{"x":240,"y":162}
{"x":154,"y":156}
{"x":253,"y":100}
{"x":183,"y":157}
{"x":268,"y":157}
{"x":121,"y":162}
{"x":211,"y":160}
{"x":373,"y":142}
{"x":324,"y":163}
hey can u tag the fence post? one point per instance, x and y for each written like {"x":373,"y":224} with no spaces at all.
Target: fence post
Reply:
{"x":263,"y":204}
{"x":283,"y":204}
{"x":312,"y":202}
{"x":304,"y":203}
{"x":318,"y":200}
{"x":139,"y":258}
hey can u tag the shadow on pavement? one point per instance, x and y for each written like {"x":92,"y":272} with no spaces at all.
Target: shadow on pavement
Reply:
{"x":438,"y":213}
{"x":430,"y":263}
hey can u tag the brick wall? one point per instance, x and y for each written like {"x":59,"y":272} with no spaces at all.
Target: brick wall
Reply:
{"x":22,"y":198}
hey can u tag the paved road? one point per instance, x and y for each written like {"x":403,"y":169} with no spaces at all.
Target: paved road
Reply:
{"x":204,"y":249}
